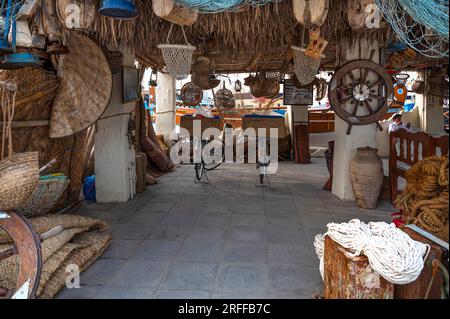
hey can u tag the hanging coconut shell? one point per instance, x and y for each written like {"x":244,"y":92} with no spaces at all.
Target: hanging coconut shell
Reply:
{"x":205,"y":82}
{"x":224,"y":98}
{"x":264,"y":87}
{"x":202,"y":66}
{"x":249,"y":80}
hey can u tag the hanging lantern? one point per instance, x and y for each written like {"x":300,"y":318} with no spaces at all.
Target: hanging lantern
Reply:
{"x":118,"y":9}
{"x":153,"y":78}
{"x":238,"y":86}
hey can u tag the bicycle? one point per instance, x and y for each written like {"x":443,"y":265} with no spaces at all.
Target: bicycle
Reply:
{"x":212,"y":162}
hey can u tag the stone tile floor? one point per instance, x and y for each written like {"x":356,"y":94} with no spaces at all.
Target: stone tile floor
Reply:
{"x":225,"y":239}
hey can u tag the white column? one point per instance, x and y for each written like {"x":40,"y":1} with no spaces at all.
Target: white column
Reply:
{"x":361,"y":136}
{"x":113,"y":155}
{"x":165,"y":106}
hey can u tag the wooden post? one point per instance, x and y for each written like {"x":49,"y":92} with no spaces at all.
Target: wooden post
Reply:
{"x":351,"y":278}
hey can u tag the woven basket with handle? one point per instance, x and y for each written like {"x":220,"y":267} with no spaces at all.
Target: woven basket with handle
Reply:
{"x":19,"y":172}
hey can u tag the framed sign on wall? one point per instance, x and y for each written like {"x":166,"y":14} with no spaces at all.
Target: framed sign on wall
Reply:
{"x":130,"y":86}
{"x":297,"y":96}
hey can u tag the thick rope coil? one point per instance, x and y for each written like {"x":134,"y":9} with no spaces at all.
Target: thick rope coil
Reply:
{"x":391,"y":252}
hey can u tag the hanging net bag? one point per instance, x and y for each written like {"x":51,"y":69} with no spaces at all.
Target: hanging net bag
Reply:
{"x":307,"y":61}
{"x":305,"y":67}
{"x":178,"y":57}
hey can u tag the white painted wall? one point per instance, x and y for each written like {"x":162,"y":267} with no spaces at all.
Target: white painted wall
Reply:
{"x":113,"y":153}
{"x":346,"y":145}
{"x":165,"y":107}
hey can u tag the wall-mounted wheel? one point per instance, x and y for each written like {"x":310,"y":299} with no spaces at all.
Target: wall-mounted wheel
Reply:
{"x":359,"y":92}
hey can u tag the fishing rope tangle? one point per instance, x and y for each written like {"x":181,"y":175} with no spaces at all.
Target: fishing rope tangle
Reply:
{"x":391,"y":252}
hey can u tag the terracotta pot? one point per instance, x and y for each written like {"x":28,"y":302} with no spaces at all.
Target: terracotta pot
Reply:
{"x":366,"y":175}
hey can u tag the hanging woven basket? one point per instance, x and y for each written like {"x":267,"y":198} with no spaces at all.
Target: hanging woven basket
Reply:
{"x":178,"y":57}
{"x":305,"y":66}
{"x":19,"y":172}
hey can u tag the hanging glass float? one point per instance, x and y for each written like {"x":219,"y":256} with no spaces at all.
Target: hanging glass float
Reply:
{"x":118,"y":9}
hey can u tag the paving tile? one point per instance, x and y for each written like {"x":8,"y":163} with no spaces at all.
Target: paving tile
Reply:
{"x":248,"y":220}
{"x":285,"y":235}
{"x":146,"y":218}
{"x":179,"y":219}
{"x":295,"y":279}
{"x":247,"y":234}
{"x":213,"y":220}
{"x":182,"y":294}
{"x":169,"y":232}
{"x":138,"y":274}
{"x":157,"y":250}
{"x":132,"y":230}
{"x":242,"y":276}
{"x":249,"y":208}
{"x":239,"y":294}
{"x":121,"y":248}
{"x":217,"y":208}
{"x":83,"y":292}
{"x":99,"y":273}
{"x":190,"y":275}
{"x":289,"y":254}
{"x":207,"y":233}
{"x":245,"y":252}
{"x":157,"y":207}
{"x":125,"y":293}
{"x":283,"y":220}
{"x":200,"y":251}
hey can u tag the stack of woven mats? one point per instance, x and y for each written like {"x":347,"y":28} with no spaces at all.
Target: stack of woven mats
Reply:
{"x":82,"y":241}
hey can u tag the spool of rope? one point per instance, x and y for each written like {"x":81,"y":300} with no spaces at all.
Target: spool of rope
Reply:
{"x":391,"y":253}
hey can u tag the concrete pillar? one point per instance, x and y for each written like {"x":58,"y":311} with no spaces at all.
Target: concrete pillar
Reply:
{"x":361,"y":135}
{"x":114,"y":157}
{"x":165,"y":107}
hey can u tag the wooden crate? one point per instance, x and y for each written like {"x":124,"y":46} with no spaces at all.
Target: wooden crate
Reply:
{"x":187,"y":122}
{"x":351,"y":278}
{"x":418,"y":289}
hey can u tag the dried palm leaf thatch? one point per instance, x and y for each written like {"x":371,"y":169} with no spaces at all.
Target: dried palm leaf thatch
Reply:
{"x":36,"y":88}
{"x":228,"y":36}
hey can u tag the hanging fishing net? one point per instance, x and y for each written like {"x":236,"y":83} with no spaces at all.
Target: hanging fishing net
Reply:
{"x":178,"y":57}
{"x":305,"y":67}
{"x":422,"y":25}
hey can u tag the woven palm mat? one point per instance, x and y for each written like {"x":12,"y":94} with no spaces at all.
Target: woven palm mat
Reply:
{"x":80,"y":243}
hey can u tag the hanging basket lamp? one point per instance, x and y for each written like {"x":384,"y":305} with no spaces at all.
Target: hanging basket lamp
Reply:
{"x":118,"y":9}
{"x":178,"y":57}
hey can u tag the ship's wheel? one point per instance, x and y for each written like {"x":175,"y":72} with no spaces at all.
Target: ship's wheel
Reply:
{"x":359,"y":93}
{"x":28,"y":247}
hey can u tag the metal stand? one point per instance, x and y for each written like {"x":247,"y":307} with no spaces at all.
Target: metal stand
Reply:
{"x":203,"y":175}
{"x":263,"y":177}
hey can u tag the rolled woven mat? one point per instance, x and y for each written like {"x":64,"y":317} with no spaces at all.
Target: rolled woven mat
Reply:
{"x":80,"y":243}
{"x":43,"y":224}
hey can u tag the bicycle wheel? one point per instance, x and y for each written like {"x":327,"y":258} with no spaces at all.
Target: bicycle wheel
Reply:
{"x":198,"y":172}
{"x":209,"y":166}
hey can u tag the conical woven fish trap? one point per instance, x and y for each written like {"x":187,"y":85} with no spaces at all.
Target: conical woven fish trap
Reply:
{"x":305,"y":67}
{"x":178,"y":57}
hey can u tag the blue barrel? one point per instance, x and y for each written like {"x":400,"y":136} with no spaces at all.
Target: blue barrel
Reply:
{"x":118,"y":9}
{"x":18,"y":60}
{"x":89,"y":188}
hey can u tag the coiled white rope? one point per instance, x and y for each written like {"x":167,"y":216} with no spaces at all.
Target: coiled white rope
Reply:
{"x":391,"y":252}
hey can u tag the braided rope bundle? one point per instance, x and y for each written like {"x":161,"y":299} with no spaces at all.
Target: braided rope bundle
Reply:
{"x":424,"y":201}
{"x":391,"y":252}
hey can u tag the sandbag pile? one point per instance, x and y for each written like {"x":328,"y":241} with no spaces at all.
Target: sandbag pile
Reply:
{"x":424,"y":202}
{"x":82,"y":241}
